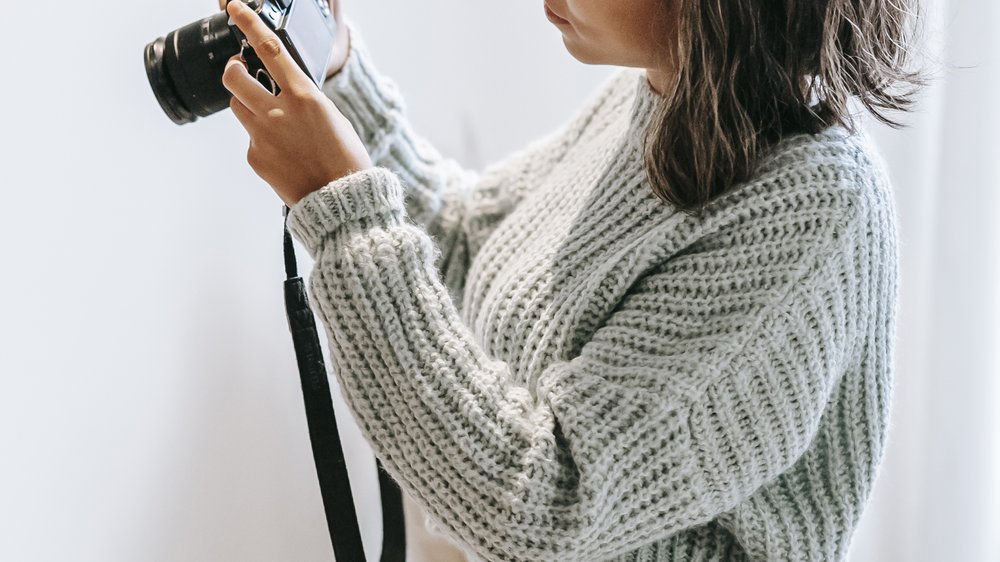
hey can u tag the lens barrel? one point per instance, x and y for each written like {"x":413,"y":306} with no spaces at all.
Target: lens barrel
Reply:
{"x":185,"y":68}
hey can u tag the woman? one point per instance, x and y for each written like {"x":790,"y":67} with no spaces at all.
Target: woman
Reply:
{"x":662,"y":332}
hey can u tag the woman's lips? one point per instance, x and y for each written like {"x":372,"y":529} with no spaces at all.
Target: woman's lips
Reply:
{"x":553,"y":17}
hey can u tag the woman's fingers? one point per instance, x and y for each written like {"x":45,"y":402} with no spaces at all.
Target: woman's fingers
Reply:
{"x":244,"y":115}
{"x":272,"y":52}
{"x":246,"y":88}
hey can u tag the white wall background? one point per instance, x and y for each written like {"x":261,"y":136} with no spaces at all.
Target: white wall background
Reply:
{"x":149,"y":402}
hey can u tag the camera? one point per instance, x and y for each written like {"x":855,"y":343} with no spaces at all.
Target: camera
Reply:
{"x":185,"y":67}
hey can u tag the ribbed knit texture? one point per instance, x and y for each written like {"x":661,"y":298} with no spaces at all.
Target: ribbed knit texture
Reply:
{"x":556,"y":365}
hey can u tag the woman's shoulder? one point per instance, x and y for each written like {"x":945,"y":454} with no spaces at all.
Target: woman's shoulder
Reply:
{"x":834,"y":148}
{"x":813,"y":194}
{"x":836,"y":171}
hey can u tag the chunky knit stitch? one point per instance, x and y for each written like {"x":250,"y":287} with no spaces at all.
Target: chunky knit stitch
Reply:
{"x":557,"y":365}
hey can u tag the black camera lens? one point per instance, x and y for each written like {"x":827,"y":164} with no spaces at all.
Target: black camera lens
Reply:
{"x":185,"y":68}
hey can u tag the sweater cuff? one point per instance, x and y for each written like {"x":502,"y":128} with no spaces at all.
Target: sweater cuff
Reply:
{"x":370,"y":197}
{"x":370,"y":101}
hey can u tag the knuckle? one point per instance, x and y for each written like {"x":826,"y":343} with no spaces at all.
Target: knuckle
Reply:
{"x":270,"y":47}
{"x":305,"y":96}
{"x":253,"y":157}
{"x":301,"y":94}
{"x":227,"y":76}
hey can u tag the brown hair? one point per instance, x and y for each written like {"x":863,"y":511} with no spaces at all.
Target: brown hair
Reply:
{"x":749,"y":72}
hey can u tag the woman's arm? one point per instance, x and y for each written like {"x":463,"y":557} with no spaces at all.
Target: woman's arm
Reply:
{"x":459,"y":207}
{"x":707,"y":381}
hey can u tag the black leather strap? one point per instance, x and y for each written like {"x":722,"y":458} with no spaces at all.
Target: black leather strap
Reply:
{"x":328,"y":453}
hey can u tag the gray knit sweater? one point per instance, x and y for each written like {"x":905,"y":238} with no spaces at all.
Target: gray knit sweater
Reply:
{"x":556,"y":365}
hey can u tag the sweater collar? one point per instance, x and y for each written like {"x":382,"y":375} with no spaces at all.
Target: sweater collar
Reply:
{"x":645,"y":104}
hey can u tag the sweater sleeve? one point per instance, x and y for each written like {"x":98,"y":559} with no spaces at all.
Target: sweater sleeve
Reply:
{"x":459,"y":207}
{"x":707,"y":381}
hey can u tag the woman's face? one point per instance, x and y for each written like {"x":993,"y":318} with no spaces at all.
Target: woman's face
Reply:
{"x":635,"y":33}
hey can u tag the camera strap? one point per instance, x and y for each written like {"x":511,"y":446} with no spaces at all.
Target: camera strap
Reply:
{"x":334,"y":482}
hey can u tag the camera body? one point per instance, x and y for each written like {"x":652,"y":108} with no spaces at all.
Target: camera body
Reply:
{"x":185,"y":67}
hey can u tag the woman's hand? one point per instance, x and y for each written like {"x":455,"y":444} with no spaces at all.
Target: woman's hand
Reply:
{"x":342,"y":44}
{"x":299,"y":140}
